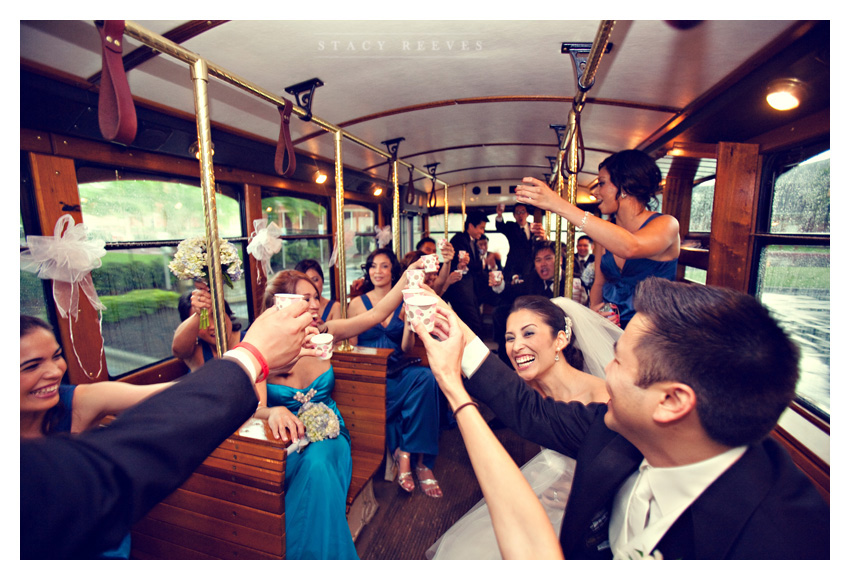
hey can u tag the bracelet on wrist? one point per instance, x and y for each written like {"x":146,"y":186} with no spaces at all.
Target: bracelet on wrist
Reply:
{"x":264,"y":366}
{"x":583,"y":221}
{"x":455,"y":412}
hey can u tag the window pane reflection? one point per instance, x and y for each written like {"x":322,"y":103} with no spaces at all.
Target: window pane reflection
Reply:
{"x":794,"y":284}
{"x":801,"y":197}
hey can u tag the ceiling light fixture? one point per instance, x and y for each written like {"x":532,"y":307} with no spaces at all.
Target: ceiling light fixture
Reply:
{"x":785,"y":94}
{"x":320,"y":177}
{"x":378,"y":191}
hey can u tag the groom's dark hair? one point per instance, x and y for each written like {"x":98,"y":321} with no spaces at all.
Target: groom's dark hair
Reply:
{"x":726,"y":347}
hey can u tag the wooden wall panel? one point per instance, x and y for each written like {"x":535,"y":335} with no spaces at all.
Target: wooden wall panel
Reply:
{"x":733,"y":220}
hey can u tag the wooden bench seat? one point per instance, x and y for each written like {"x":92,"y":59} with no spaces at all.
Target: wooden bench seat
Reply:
{"x":232,"y":506}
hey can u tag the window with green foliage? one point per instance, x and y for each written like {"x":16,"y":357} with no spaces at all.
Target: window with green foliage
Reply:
{"x":793,"y":252}
{"x":134,"y":283}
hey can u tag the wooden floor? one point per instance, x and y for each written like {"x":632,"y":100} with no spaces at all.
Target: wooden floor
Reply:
{"x":406,"y":525}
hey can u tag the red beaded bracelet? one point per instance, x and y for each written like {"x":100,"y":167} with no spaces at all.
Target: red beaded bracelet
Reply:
{"x":264,"y":366}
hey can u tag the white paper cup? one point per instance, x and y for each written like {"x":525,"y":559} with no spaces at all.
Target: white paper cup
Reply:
{"x":441,"y":243}
{"x":497,"y":276}
{"x":324,"y":345}
{"x":284,"y":300}
{"x":409,"y":293}
{"x":422,"y":308}
{"x":430,"y":261}
{"x":415,"y":278}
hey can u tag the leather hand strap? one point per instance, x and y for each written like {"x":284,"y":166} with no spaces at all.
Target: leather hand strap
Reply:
{"x":410,"y":193}
{"x":284,"y":144}
{"x":115,"y":109}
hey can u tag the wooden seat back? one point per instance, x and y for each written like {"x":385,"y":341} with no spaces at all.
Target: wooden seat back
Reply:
{"x":360,"y":395}
{"x":232,"y":506}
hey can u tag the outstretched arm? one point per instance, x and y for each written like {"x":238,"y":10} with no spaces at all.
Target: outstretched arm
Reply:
{"x":344,"y":328}
{"x":522,"y":528}
{"x":651,"y":241}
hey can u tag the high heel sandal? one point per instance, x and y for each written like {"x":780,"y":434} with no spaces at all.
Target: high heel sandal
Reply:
{"x":404,"y":479}
{"x":429,"y":486}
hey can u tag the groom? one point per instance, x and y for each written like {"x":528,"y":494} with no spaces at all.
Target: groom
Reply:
{"x":680,"y":459}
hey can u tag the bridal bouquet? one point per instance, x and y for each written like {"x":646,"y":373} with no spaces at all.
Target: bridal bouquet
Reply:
{"x":320,"y":422}
{"x":190,"y":263}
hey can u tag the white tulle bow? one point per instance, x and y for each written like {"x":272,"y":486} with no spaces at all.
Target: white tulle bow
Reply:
{"x":265,"y":243}
{"x":383,"y":235}
{"x":67,"y":257}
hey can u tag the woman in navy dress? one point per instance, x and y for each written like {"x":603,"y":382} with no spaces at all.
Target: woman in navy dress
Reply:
{"x":413,"y":417}
{"x":317,"y":476}
{"x":641,"y":244}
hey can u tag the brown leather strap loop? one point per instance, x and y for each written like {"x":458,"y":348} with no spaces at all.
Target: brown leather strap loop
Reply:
{"x":410,"y":194}
{"x":116,"y":112}
{"x":285,"y":148}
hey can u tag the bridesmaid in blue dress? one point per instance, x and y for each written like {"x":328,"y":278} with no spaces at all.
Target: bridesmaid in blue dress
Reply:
{"x":641,"y":244}
{"x":413,"y":417}
{"x":318,"y":476}
{"x":50,"y":406}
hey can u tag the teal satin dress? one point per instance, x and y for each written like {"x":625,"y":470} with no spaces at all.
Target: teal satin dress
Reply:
{"x":316,"y":484}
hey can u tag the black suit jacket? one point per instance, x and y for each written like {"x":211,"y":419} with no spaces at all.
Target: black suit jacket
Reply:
{"x":520,"y":259}
{"x":462,"y":294}
{"x":81,"y":494}
{"x":578,"y":270}
{"x":762,"y":507}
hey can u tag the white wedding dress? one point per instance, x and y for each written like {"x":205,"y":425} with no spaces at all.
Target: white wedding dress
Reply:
{"x":549,"y":473}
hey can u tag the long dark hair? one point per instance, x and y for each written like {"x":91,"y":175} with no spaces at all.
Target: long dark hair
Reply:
{"x":30,"y":324}
{"x":308,"y":264}
{"x":553,"y":317}
{"x":396,"y":268}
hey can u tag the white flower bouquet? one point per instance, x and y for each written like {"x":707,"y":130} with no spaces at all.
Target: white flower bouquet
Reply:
{"x":190,"y":263}
{"x":320,"y":422}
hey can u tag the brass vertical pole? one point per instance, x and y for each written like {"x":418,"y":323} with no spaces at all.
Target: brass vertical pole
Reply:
{"x":446,"y":210}
{"x":396,"y":213}
{"x":556,"y":287}
{"x":572,"y":186}
{"x":463,"y":205}
{"x":345,"y":346}
{"x":200,"y":78}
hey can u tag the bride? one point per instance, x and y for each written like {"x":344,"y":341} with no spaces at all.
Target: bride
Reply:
{"x":546,"y":349}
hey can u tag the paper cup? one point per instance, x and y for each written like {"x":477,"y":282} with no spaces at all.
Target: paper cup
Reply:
{"x":324,"y":345}
{"x":415,"y":278}
{"x":430,"y":261}
{"x":284,"y":300}
{"x":409,"y":293}
{"x":422,"y":308}
{"x":497,"y":276}
{"x":441,"y":243}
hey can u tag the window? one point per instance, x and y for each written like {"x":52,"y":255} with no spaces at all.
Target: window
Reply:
{"x":793,"y":253}
{"x":359,"y":239}
{"x":142,"y":219}
{"x":304,"y":226}
{"x":702,"y":204}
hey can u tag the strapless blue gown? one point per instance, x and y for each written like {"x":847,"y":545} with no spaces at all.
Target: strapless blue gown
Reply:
{"x":316,"y":484}
{"x":620,"y":285}
{"x":413,"y":417}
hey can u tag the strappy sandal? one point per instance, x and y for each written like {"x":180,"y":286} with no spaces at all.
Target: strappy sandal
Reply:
{"x":404,"y":478}
{"x":429,"y":486}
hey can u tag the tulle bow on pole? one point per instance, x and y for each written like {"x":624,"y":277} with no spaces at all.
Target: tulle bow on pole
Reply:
{"x":265,"y":243}
{"x":383,"y":235}
{"x":67,"y":257}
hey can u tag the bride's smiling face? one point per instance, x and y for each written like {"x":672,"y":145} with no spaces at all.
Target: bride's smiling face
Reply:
{"x":530,"y":344}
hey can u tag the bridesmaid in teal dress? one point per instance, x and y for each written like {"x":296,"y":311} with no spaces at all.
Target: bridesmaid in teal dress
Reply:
{"x":317,"y":477}
{"x":413,"y":416}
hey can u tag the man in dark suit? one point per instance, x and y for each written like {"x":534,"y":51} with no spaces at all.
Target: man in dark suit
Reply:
{"x":461,"y":295}
{"x":80,"y":495}
{"x":520,"y":240}
{"x":539,"y":281}
{"x":680,"y":460}
{"x":583,"y":258}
